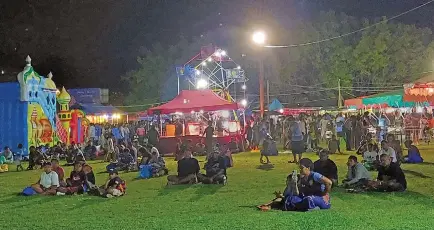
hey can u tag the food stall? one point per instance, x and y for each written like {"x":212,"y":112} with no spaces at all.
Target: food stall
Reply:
{"x":191,"y":110}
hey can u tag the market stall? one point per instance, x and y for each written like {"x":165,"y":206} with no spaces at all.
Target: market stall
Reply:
{"x":421,"y":90}
{"x":191,"y":110}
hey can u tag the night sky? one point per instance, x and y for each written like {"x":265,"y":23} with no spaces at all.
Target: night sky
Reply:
{"x":91,"y":43}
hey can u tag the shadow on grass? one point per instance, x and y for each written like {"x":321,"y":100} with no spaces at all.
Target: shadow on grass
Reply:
{"x":18,"y":201}
{"x":414,"y":173}
{"x":167,"y":190}
{"x":266,"y":167}
{"x":88,"y":202}
{"x":205,"y":190}
{"x":427,"y":163}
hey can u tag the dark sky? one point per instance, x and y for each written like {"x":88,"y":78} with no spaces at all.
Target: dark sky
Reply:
{"x":91,"y":43}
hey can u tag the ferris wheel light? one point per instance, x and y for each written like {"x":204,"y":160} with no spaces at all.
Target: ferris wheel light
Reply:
{"x":203,"y":63}
{"x":223,"y":53}
{"x":198,"y":72}
{"x":244,"y":87}
{"x":201,"y":84}
{"x":209,"y":59}
{"x":244,"y":102}
{"x":238,"y":67}
{"x":218,"y":54}
{"x":280,"y":110}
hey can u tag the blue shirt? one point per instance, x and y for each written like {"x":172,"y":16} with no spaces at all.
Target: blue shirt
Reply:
{"x":317,"y":178}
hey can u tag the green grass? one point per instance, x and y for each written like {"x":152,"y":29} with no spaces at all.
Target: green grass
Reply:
{"x":150,"y":205}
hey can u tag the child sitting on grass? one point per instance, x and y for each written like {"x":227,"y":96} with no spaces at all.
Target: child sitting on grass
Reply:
{"x":370,"y":158}
{"x":114,"y":186}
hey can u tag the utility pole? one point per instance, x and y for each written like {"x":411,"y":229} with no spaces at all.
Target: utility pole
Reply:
{"x":339,"y":94}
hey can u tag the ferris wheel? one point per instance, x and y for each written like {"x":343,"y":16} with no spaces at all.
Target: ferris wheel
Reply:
{"x":213,"y":69}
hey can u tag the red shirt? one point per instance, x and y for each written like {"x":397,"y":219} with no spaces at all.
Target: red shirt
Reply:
{"x":60,"y":173}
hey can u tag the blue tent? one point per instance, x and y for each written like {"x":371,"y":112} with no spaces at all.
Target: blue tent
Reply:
{"x":275,"y":105}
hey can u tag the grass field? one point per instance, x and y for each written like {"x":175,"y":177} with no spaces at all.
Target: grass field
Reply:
{"x":150,"y":205}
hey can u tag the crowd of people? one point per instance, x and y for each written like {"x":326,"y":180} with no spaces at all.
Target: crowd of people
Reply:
{"x":310,"y":189}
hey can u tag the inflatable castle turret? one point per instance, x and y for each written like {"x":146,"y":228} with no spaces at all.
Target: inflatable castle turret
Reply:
{"x":65,"y":114}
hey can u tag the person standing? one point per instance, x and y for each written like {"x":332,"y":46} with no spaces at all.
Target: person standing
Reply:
{"x":297,"y":144}
{"x":209,"y":133}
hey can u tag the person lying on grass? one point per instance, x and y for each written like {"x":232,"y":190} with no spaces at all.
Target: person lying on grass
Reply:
{"x":48,"y":181}
{"x":307,"y":191}
{"x":357,"y":176}
{"x":390,"y":177}
{"x":326,"y":167}
{"x":188,"y":168}
{"x":215,"y":169}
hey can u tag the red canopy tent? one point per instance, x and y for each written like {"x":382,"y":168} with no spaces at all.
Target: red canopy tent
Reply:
{"x":194,"y":100}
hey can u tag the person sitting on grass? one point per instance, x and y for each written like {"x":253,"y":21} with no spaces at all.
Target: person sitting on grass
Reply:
{"x":59,"y":170}
{"x":364,"y":144}
{"x":413,"y":156}
{"x":370,"y":158}
{"x":233,"y":146}
{"x":4,"y":167}
{"x":307,"y":191}
{"x":326,"y":167}
{"x":390,"y":177}
{"x":48,"y":181}
{"x":157,"y":163}
{"x":75,"y":182}
{"x":114,"y":186}
{"x":89,"y":177}
{"x":215,"y":169}
{"x":188,"y":168}
{"x":386,"y":149}
{"x":357,"y":175}
{"x":9,"y":156}
{"x":126,"y":160}
{"x":334,"y":145}
{"x":395,"y":145}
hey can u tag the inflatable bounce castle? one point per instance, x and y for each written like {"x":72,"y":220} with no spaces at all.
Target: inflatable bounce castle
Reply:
{"x":28,"y":112}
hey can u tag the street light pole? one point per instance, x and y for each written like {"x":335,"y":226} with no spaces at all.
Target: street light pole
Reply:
{"x":259,"y":38}
{"x":261,"y":87}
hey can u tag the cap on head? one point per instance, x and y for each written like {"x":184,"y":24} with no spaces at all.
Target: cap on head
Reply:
{"x":113,"y":171}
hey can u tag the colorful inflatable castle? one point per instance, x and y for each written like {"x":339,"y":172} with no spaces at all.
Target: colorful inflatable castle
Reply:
{"x":28,"y":111}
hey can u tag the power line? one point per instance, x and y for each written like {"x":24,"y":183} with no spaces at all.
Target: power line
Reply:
{"x":350,"y":33}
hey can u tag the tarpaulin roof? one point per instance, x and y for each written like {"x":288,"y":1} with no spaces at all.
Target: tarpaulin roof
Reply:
{"x":92,"y":109}
{"x":275,"y":105}
{"x":194,"y":100}
{"x":391,"y":98}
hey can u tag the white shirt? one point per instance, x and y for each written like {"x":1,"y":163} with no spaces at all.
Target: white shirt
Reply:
{"x":369,"y":156}
{"x":390,"y":152}
{"x":49,"y":179}
{"x":155,"y":150}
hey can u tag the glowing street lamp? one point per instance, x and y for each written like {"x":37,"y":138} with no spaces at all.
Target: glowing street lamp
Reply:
{"x":244,"y":87}
{"x":259,"y":37}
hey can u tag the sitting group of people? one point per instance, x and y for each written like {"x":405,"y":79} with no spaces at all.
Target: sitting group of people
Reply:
{"x":391,"y":147}
{"x":189,"y":170}
{"x":52,"y":181}
{"x":311,"y":188}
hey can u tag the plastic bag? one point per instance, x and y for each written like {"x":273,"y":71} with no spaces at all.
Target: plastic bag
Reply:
{"x":29,"y":191}
{"x":145,"y":171}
